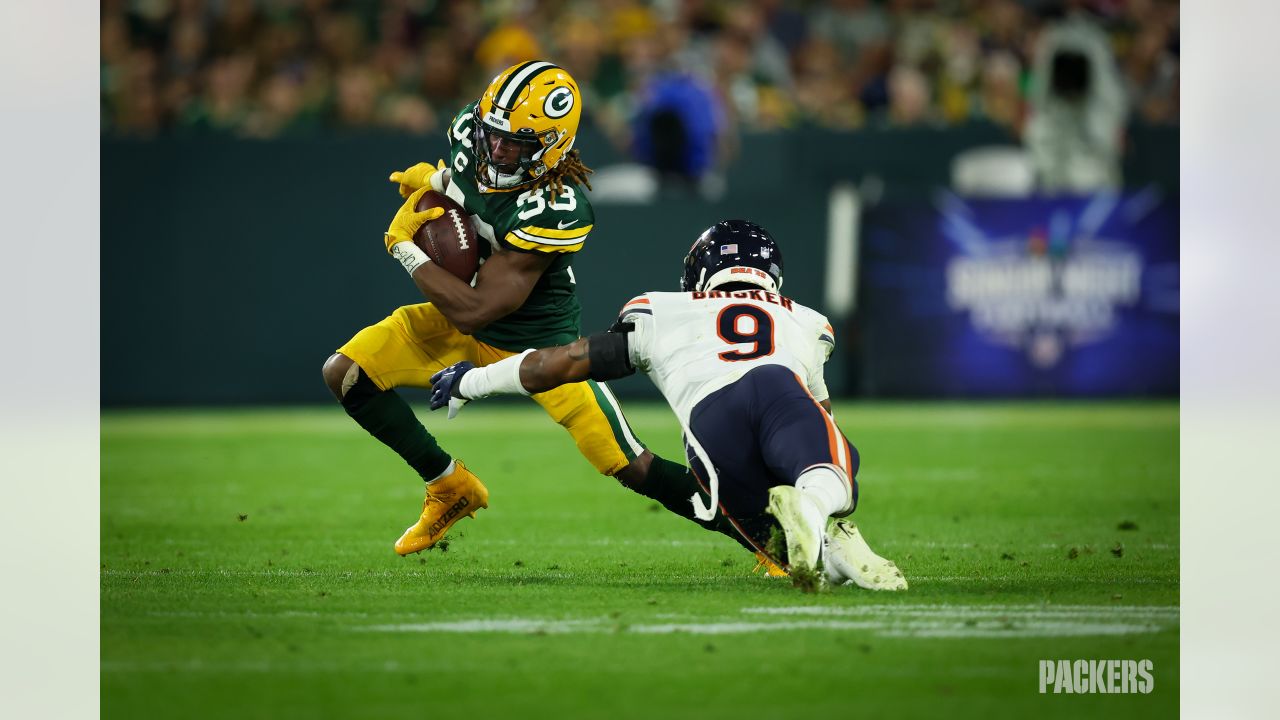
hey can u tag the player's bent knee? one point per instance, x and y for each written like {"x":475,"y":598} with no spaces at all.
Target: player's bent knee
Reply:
{"x":340,"y":373}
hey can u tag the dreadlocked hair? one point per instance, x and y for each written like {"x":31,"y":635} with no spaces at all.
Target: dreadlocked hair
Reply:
{"x":571,"y":168}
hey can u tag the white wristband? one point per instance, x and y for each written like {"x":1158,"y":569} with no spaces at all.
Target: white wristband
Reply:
{"x":409,"y":255}
{"x":500,"y":378}
{"x":436,"y":181}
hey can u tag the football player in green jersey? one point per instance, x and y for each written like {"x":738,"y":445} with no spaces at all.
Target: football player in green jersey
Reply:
{"x":512,"y":166}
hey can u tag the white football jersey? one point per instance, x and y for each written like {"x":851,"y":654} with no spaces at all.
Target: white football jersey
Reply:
{"x":694,"y":343}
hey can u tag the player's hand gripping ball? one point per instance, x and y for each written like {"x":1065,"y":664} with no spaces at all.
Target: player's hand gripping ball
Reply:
{"x":409,"y":219}
{"x":443,"y":230}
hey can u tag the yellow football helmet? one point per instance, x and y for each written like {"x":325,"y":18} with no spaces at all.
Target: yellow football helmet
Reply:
{"x":534,"y":104}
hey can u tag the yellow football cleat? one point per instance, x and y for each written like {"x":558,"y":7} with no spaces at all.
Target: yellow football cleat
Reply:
{"x":455,"y":496}
{"x":771,"y":568}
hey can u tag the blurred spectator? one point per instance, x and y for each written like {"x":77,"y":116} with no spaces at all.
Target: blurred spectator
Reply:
{"x":823,"y":92}
{"x":1152,"y":74}
{"x":916,"y":27}
{"x":355,"y":104}
{"x":224,"y":105}
{"x":678,"y":128}
{"x":236,"y":27}
{"x":959,"y":70}
{"x":340,"y":38}
{"x":279,"y":109}
{"x":409,"y":114}
{"x":853,"y":26}
{"x":1004,"y":25}
{"x":505,"y":46}
{"x":908,"y":97}
{"x":441,"y":76}
{"x":141,"y":111}
{"x":1001,"y":95}
{"x":730,"y":70}
{"x":264,"y":68}
{"x":769,"y":61}
{"x":187,"y":47}
{"x":785,"y":22}
{"x":1078,"y":109}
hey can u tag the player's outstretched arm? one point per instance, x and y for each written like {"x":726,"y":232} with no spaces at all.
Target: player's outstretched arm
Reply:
{"x":532,"y":371}
{"x":543,"y":370}
{"x":602,"y":356}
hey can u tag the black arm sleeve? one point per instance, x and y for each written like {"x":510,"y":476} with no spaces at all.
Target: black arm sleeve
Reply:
{"x":607,"y":352}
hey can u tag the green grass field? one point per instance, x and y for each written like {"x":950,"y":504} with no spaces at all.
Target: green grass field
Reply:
{"x":247,"y":572}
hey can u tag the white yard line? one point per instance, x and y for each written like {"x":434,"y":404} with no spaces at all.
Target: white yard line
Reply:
{"x":997,"y":545}
{"x":1057,"y":577}
{"x":939,"y":621}
{"x":964,"y":610}
{"x":518,"y":626}
{"x":743,"y":628}
{"x":291,"y":666}
{"x":912,"y":621}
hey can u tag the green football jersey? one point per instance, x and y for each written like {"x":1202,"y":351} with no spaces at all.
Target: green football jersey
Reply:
{"x":537,"y":221}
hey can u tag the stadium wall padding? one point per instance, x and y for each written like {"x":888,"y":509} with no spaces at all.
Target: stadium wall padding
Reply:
{"x":232,"y":268}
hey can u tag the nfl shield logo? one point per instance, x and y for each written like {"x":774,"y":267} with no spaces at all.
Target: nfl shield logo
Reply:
{"x":729,"y":249}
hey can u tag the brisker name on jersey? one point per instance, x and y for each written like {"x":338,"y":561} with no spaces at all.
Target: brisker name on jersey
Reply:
{"x":757,"y":295}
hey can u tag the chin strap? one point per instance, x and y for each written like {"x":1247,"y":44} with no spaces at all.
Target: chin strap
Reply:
{"x":502,"y":181}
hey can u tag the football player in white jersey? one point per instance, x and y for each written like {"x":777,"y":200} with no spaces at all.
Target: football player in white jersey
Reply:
{"x":742,"y":367}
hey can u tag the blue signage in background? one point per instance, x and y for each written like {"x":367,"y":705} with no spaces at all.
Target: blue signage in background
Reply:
{"x":1039,"y":297}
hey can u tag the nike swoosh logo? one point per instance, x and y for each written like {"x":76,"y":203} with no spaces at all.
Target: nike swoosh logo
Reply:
{"x":562,"y":225}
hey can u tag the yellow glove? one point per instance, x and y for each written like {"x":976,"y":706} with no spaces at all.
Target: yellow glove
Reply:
{"x":407,"y":220}
{"x":418,"y":176}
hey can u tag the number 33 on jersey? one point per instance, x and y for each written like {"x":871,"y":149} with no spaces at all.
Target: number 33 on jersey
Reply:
{"x":692,"y":344}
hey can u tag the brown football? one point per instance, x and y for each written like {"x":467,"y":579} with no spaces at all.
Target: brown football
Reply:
{"x":450,"y":240}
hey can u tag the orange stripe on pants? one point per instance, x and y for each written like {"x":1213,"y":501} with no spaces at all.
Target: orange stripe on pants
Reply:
{"x":835,"y":440}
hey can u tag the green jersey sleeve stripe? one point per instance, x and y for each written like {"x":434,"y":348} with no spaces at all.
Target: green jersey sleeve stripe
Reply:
{"x":631,"y":447}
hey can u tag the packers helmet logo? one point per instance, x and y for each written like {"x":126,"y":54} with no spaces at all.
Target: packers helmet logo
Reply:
{"x":558,"y":103}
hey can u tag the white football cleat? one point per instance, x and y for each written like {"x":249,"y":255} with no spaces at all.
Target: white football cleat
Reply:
{"x":802,"y":522}
{"x":848,"y":559}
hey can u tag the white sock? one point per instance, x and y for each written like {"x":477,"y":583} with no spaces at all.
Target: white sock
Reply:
{"x":448,"y":470}
{"x":827,"y":488}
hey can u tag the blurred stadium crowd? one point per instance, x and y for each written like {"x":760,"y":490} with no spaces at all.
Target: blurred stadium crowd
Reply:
{"x":270,"y":68}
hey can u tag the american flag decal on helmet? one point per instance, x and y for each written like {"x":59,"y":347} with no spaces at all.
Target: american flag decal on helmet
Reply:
{"x":729,"y":249}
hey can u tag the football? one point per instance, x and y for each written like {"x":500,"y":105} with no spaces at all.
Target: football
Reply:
{"x":450,"y":240}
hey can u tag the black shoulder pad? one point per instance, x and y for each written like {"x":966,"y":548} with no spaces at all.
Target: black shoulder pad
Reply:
{"x":607,"y":352}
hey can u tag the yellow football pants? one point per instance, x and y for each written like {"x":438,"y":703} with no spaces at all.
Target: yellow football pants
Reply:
{"x":416,"y":342}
